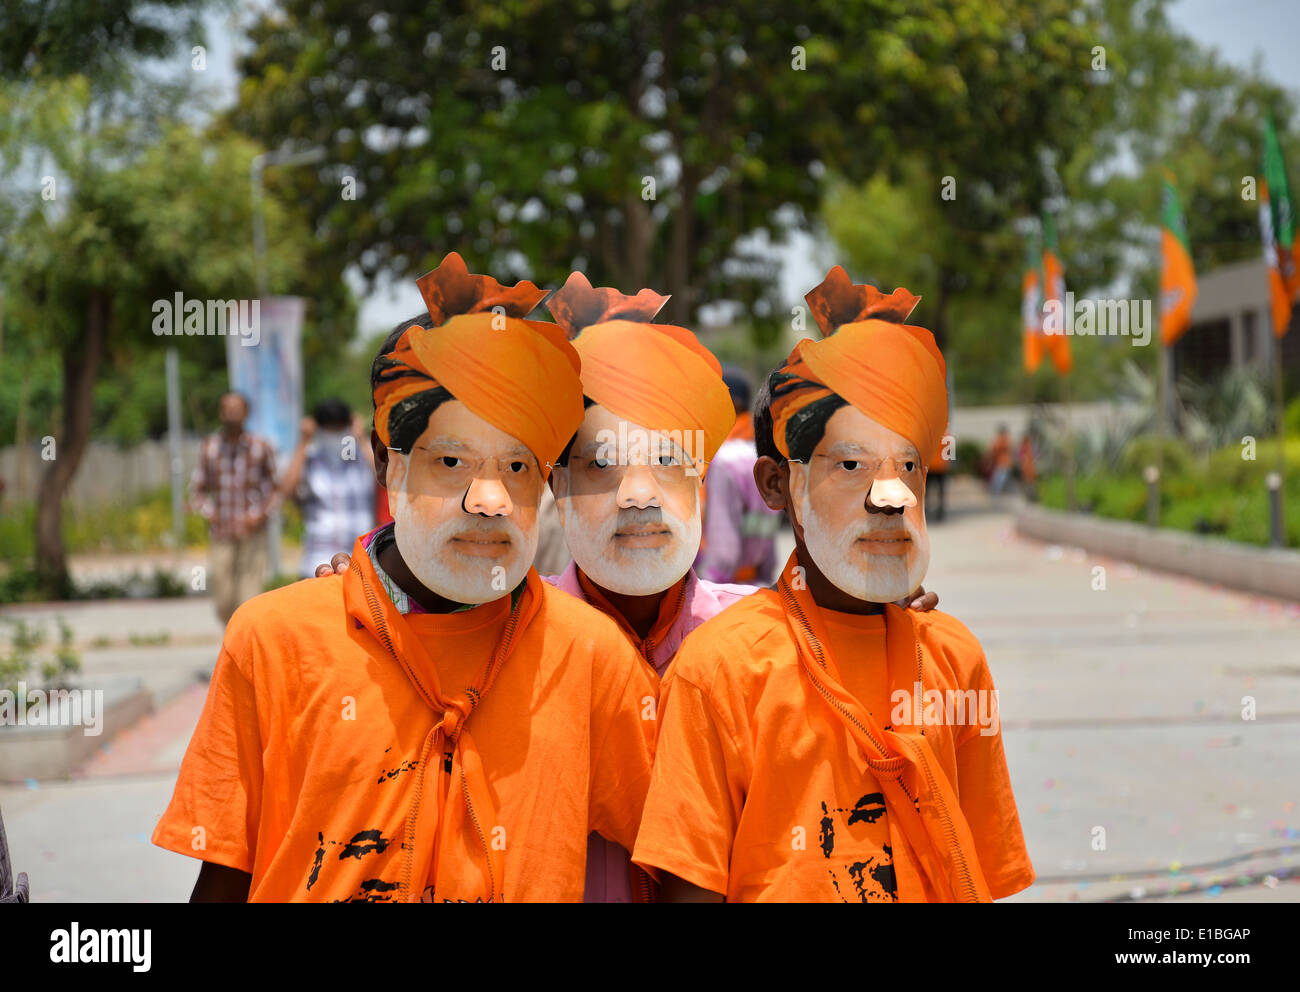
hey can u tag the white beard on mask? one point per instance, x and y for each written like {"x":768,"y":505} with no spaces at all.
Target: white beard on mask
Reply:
{"x":441,"y":569}
{"x":631,"y":571}
{"x":883,"y":578}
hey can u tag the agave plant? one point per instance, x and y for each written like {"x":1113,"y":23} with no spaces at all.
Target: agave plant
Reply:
{"x":1221,"y":412}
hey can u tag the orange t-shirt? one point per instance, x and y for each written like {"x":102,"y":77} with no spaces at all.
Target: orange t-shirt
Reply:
{"x":304,"y":768}
{"x":760,"y":793}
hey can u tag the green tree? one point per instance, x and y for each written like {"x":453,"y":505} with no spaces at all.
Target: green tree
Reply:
{"x":134,"y":218}
{"x":1152,"y":99}
{"x":527,"y":135}
{"x":51,"y":39}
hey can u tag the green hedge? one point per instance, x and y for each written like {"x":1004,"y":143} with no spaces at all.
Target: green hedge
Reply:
{"x":1226,"y":497}
{"x":144,"y":524}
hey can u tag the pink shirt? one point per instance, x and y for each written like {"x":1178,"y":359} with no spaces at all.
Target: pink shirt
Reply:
{"x":607,"y":864}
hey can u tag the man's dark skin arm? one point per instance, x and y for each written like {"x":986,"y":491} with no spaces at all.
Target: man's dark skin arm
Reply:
{"x":674,"y":889}
{"x":217,"y":883}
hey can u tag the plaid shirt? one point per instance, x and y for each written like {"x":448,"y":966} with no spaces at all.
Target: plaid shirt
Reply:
{"x":232,"y":479}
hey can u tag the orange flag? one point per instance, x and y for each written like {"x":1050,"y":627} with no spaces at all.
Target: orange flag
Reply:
{"x":1031,"y":308}
{"x":1177,"y":277}
{"x":1277,"y":226}
{"x":1057,"y":344}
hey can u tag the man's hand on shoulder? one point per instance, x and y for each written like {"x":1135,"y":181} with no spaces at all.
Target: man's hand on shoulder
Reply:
{"x":337,"y":565}
{"x":921,"y":601}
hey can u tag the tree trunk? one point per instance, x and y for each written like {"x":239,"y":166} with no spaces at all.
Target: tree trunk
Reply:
{"x":680,"y":262}
{"x":81,"y":362}
{"x":639,"y":226}
{"x":939,"y":326}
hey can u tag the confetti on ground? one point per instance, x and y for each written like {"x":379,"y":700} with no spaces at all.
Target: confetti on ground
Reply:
{"x":33,"y":784}
{"x":1175,"y":867}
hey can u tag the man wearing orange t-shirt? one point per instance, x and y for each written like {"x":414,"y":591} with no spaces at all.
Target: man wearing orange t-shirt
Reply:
{"x":818,"y":743}
{"x":628,"y":492}
{"x":437,"y":724}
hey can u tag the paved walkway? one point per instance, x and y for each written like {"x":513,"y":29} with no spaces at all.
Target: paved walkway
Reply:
{"x":1121,"y":708}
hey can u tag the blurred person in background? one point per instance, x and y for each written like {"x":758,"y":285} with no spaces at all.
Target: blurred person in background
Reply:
{"x":739,"y":541}
{"x":936,"y":485}
{"x":1026,"y":465}
{"x":1000,"y":461}
{"x":331,"y":477}
{"x":233,"y":488}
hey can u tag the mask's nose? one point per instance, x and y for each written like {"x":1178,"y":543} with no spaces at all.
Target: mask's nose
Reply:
{"x":487,"y":497}
{"x":890,"y":494}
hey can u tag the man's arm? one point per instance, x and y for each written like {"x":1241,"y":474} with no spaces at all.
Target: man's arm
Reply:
{"x":674,"y":889}
{"x":268,"y":493}
{"x":722,"y":516}
{"x":216,"y":805}
{"x":696,"y":793}
{"x":623,"y":729}
{"x":293,"y":474}
{"x":217,"y":883}
{"x":986,"y":798}
{"x":200,"y":484}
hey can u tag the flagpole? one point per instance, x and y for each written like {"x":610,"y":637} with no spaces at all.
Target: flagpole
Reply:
{"x":1163,"y":368}
{"x":1070,"y":501}
{"x":1280,"y":400}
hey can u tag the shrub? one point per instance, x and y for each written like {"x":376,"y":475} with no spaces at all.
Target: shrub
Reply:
{"x":1148,"y":449}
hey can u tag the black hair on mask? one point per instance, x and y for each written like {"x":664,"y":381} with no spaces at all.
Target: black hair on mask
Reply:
{"x":409,"y":418}
{"x":563,"y":460}
{"x":805,"y":430}
{"x":764,"y":443}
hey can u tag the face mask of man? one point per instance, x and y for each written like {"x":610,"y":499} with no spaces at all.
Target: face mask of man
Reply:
{"x":860,"y":501}
{"x":464,"y":504}
{"x":631,"y":517}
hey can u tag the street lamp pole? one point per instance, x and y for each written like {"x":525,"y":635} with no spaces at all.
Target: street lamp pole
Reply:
{"x":256,"y":169}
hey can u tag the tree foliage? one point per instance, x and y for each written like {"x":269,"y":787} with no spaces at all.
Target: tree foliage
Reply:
{"x":736,"y":112}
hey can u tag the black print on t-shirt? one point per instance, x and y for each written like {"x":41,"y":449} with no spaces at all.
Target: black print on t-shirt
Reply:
{"x":870,"y":880}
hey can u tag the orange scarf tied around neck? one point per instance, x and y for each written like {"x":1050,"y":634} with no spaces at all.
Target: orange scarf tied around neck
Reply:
{"x":933,"y":850}
{"x":449,"y":830}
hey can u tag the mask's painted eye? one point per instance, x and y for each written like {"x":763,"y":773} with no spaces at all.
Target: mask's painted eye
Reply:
{"x":518,"y":467}
{"x":451,"y":461}
{"x":668,"y":460}
{"x":849,"y":466}
{"x":909,"y":466}
{"x":600,"y":463}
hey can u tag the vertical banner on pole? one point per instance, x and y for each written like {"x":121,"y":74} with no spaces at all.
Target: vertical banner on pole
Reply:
{"x":265,"y":364}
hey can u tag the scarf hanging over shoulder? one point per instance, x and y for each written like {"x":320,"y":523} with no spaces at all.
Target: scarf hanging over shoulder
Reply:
{"x":933,"y":850}
{"x":446,"y":831}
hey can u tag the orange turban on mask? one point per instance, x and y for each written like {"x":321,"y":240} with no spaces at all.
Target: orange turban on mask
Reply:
{"x":654,"y":375}
{"x":891,"y":372}
{"x":521,"y":376}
